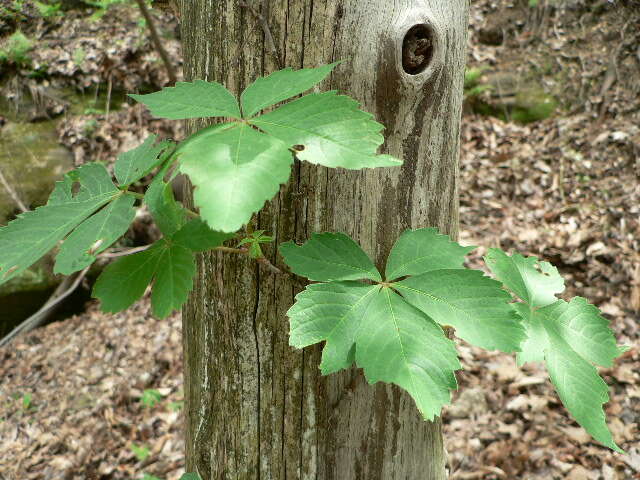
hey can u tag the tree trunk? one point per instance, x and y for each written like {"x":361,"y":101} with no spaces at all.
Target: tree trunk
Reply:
{"x":256,"y":408}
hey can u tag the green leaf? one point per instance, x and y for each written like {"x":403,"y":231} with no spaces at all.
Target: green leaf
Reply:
{"x":330,"y":312}
{"x":150,"y":397}
{"x":535,"y":282}
{"x":191,"y":476}
{"x":34,"y":233}
{"x":95,"y":235}
{"x":166,"y":212}
{"x":280,"y":85}
{"x":475,"y":305}
{"x":328,"y":129}
{"x":141,"y":452}
{"x":235,"y":170}
{"x":570,"y":337}
{"x":329,"y":256}
{"x":174,"y":280}
{"x":191,"y":100}
{"x":138,"y":162}
{"x":62,"y":191}
{"x":125,"y":280}
{"x":198,"y":237}
{"x":581,"y":390}
{"x":580,"y":325}
{"x":423,"y":250}
{"x":399,"y":344}
{"x":532,"y":348}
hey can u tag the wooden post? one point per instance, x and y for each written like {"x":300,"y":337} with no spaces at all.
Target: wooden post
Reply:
{"x":256,"y":408}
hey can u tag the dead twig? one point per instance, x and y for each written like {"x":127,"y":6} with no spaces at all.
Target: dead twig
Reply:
{"x":12,"y":193}
{"x":66,"y":288}
{"x":267,"y":32}
{"x":155,"y":38}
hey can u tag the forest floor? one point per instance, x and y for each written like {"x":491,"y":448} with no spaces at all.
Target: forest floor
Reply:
{"x":100,"y":396}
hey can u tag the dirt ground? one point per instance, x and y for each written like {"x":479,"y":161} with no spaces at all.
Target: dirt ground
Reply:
{"x":74,"y":396}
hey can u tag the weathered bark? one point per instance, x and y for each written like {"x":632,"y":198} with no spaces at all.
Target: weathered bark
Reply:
{"x":256,"y":408}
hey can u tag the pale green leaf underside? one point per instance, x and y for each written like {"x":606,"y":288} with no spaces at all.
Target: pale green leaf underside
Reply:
{"x":475,"y":305}
{"x":280,"y":85}
{"x":329,"y":257}
{"x":191,"y":100}
{"x":535,"y":342}
{"x":95,"y":235}
{"x":570,"y":337}
{"x":332,"y":129}
{"x":138,"y":162}
{"x":535,"y":282}
{"x":167,"y":214}
{"x":397,"y":343}
{"x":330,"y":312}
{"x":235,"y":170}
{"x":198,"y":237}
{"x":423,"y":250}
{"x":31,"y":235}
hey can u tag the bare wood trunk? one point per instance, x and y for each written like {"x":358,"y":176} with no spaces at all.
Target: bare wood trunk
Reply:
{"x":256,"y":408}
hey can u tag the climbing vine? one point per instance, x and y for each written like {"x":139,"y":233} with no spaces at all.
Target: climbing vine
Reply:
{"x":390,"y":325}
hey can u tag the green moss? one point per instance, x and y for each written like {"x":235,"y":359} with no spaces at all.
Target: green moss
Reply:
{"x":16,"y":49}
{"x":533,"y":105}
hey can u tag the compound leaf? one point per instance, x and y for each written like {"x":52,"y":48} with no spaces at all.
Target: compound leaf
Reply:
{"x":399,"y":344}
{"x":535,"y":282}
{"x":329,"y":256}
{"x":138,"y":162}
{"x":328,"y":129}
{"x":95,"y":235}
{"x":330,"y":312}
{"x":191,"y":100}
{"x":570,"y":337}
{"x":280,"y":85}
{"x":31,"y":235}
{"x":125,"y":280}
{"x":198,"y":237}
{"x":235,"y":170}
{"x":173,"y":281}
{"x":475,"y":305}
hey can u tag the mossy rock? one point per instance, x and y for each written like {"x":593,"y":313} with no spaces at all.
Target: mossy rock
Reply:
{"x":32,"y":161}
{"x":512,"y":98}
{"x":37,"y":278}
{"x":533,"y":105}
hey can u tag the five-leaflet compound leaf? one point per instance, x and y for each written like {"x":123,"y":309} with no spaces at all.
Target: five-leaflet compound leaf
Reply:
{"x":239,"y":165}
{"x":391,"y":329}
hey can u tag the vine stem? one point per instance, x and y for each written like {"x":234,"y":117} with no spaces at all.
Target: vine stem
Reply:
{"x":237,"y":251}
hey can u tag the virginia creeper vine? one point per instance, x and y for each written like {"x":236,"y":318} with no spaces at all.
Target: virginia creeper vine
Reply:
{"x":389,"y":325}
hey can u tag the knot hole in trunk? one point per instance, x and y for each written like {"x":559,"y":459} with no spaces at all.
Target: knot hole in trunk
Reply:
{"x":418,"y":48}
